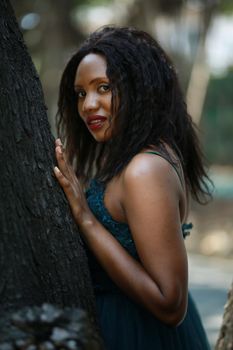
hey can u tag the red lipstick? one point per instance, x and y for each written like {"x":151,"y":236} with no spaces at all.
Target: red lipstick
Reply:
{"x":95,"y":122}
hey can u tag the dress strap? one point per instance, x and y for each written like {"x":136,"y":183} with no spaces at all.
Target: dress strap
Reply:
{"x":172,"y":164}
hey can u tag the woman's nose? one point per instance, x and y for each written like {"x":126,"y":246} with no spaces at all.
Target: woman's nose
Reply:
{"x":91,"y":102}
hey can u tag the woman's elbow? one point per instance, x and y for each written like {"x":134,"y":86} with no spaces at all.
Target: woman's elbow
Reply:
{"x":173,"y":310}
{"x":175,"y":318}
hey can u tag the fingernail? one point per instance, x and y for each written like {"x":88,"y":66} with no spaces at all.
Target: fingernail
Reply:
{"x":59,"y":142}
{"x":56,"y":170}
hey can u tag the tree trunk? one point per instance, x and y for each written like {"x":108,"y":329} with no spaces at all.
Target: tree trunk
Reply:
{"x":41,"y":254}
{"x":200,"y":74}
{"x":225,"y":340}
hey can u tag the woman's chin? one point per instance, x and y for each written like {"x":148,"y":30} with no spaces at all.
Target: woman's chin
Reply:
{"x":101,"y":136}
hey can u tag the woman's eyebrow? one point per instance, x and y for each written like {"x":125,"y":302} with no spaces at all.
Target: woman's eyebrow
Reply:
{"x":92,"y":81}
{"x":77,"y":86}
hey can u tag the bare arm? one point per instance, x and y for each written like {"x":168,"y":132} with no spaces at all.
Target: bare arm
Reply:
{"x":159,"y":283}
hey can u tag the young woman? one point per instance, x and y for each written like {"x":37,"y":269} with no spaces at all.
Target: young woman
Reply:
{"x":132,"y":159}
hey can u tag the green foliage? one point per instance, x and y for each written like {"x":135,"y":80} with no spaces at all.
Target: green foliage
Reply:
{"x":217,"y":121}
{"x":226,"y":6}
{"x":90,"y":2}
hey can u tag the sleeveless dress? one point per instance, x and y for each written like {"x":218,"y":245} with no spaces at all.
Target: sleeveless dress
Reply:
{"x":124,"y":324}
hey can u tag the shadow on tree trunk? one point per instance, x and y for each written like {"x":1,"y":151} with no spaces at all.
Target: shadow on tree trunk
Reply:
{"x":42,"y":258}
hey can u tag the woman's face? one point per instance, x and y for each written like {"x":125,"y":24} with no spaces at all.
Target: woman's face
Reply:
{"x":94,"y":96}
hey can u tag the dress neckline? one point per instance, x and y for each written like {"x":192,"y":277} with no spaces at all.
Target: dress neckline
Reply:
{"x":100,"y":187}
{"x":99,"y":184}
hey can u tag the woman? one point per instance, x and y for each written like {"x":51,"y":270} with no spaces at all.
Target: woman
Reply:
{"x":133,"y":147}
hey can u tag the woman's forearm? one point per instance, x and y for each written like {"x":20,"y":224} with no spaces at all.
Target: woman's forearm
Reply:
{"x":130,"y":276}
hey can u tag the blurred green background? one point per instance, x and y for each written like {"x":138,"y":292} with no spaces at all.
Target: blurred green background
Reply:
{"x":198,"y":35}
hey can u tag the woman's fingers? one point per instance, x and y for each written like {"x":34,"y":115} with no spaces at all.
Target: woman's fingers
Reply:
{"x":61,"y":159}
{"x":65,"y":174}
{"x":64,"y":182}
{"x":70,"y":184}
{"x":66,"y":185}
{"x":58,"y":142}
{"x":72,"y":194}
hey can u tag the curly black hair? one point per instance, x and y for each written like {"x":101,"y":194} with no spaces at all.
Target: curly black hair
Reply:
{"x":152,"y":111}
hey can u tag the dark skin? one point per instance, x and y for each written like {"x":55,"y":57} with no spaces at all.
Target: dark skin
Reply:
{"x":148,"y":196}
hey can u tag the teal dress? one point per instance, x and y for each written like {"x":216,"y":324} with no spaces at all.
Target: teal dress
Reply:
{"x":126,"y":325}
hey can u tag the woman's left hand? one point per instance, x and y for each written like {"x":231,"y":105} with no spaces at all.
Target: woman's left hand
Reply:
{"x":71,"y":186}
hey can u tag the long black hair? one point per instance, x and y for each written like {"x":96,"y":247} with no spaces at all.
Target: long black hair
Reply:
{"x":151,"y":112}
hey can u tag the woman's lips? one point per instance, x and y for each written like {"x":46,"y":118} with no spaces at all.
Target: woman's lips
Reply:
{"x":95,"y":122}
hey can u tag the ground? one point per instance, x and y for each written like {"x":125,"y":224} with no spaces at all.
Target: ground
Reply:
{"x":209,"y":280}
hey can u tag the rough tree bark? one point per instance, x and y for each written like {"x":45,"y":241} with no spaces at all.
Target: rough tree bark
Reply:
{"x":58,"y":38}
{"x":41,"y":254}
{"x":225,"y":340}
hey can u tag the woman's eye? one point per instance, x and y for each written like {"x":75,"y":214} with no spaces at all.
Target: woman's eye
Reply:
{"x":80,"y":94}
{"x":104,"y":87}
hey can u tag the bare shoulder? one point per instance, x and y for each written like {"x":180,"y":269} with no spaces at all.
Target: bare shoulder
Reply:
{"x":147,"y":168}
